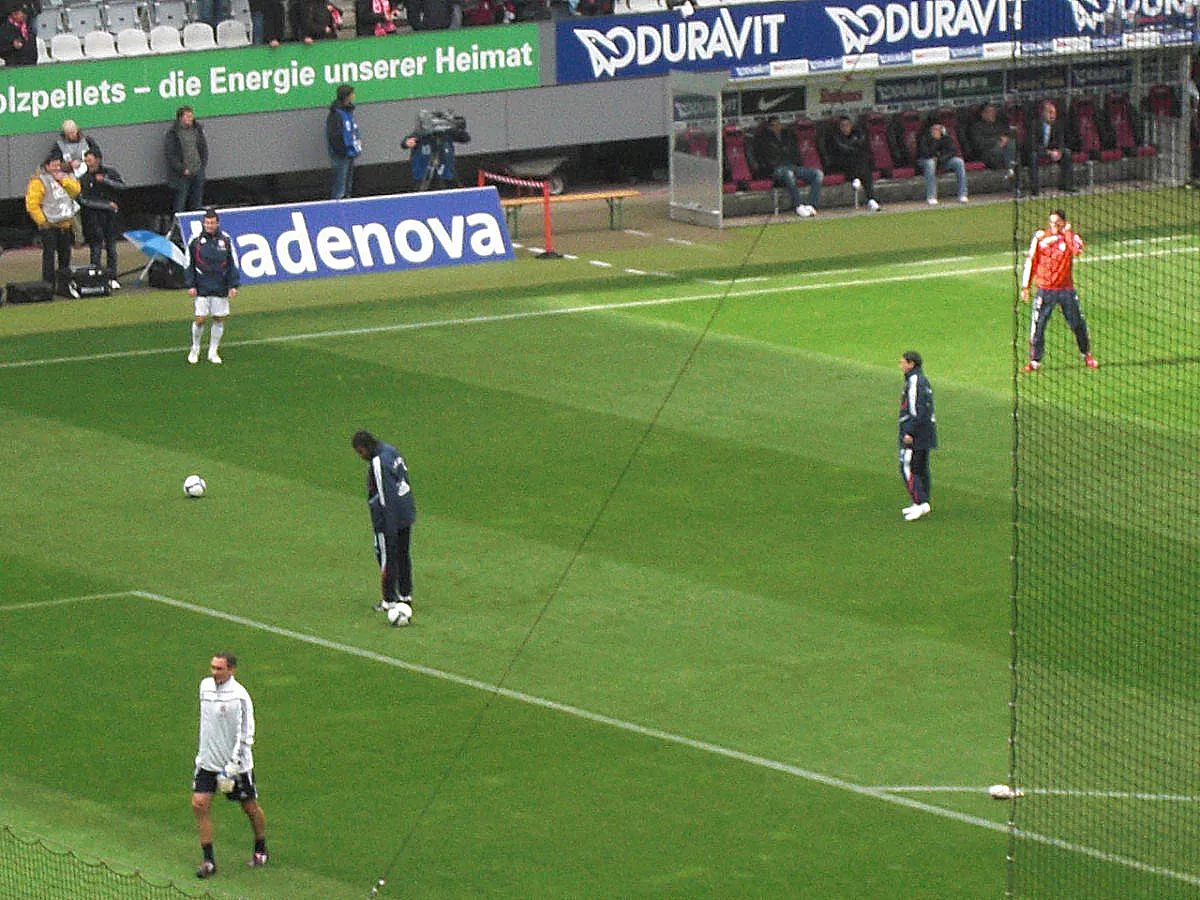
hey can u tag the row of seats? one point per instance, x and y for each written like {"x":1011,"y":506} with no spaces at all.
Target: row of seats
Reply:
{"x":67,"y":47}
{"x":1098,"y":130}
{"x":81,"y":19}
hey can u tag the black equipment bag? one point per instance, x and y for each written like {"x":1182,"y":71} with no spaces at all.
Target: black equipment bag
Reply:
{"x":166,"y":274}
{"x":82,"y":281}
{"x":28,"y":292}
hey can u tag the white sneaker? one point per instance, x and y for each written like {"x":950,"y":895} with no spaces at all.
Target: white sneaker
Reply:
{"x":214,"y":358}
{"x":194,"y":355}
{"x":908,"y":510}
{"x":114,"y":285}
{"x":804,"y":211}
{"x":963,"y":198}
{"x":856,"y":184}
{"x":921,"y":509}
{"x":873,"y":205}
{"x":932,"y":201}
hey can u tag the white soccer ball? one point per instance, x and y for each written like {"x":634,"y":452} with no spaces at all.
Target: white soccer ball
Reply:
{"x":400,"y":614}
{"x":194,"y":486}
{"x":1003,"y":792}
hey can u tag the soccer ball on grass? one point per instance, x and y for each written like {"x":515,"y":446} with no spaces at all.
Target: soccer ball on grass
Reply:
{"x":194,"y":486}
{"x":400,"y":614}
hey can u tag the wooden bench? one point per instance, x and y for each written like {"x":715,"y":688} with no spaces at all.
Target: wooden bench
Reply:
{"x":615,"y":199}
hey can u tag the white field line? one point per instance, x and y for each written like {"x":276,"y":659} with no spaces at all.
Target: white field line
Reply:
{"x":1041,"y":792}
{"x":576,"y":310}
{"x":875,"y":793}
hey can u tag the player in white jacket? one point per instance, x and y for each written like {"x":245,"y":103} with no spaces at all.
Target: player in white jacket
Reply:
{"x":225,"y":761}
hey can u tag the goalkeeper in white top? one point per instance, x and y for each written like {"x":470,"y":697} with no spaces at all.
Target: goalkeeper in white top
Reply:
{"x":224,"y":761}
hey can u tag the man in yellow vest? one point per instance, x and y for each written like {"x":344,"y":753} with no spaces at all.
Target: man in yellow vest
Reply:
{"x":50,"y":202}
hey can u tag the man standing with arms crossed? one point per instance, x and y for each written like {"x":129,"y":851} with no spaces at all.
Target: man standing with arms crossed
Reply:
{"x":918,"y":434}
{"x":1051,"y":256}
{"x":224,"y":761}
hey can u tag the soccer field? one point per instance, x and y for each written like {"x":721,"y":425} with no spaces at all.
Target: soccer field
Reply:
{"x":672,"y":636}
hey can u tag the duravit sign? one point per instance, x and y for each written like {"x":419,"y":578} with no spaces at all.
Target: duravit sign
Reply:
{"x":354,"y":237}
{"x":740,"y":36}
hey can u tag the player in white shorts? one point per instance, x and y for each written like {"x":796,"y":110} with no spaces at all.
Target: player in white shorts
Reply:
{"x":212,"y":280}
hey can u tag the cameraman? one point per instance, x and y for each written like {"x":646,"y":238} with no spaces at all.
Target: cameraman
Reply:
{"x":432,"y":146}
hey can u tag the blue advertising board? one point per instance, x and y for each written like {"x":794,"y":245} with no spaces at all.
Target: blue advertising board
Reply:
{"x":750,"y":40}
{"x":372,"y":234}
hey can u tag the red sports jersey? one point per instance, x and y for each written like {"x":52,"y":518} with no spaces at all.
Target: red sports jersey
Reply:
{"x":1050,"y":258}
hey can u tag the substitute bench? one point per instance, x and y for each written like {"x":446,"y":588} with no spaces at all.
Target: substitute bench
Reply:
{"x":615,"y":199}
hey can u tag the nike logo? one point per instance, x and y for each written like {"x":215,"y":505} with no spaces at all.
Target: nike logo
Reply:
{"x":765,"y":105}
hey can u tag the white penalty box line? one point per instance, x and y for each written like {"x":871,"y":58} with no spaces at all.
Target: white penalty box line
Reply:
{"x":895,"y":795}
{"x":585,"y":309}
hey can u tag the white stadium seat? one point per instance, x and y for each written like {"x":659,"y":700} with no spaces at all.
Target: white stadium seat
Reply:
{"x":43,"y":51}
{"x":132,"y":42}
{"x":232,"y":33}
{"x":50,"y":22}
{"x":165,"y":39}
{"x":65,"y":47}
{"x":198,"y":36}
{"x":82,"y":20}
{"x":99,"y":45}
{"x":119,"y":16}
{"x":170,"y":12}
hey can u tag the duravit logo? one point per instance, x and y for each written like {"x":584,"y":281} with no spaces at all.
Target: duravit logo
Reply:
{"x":1093,"y":15}
{"x":692,"y":40}
{"x":920,"y":20}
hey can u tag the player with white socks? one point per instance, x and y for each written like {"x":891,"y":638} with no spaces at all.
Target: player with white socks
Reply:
{"x":212,"y":280}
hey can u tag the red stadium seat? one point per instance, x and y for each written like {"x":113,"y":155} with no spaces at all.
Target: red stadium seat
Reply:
{"x":738,"y":163}
{"x":881,"y":156}
{"x":905,"y":128}
{"x":1161,"y":101}
{"x":1120,"y":119}
{"x":1014,"y":113}
{"x":804,"y":133}
{"x":1091,"y":145}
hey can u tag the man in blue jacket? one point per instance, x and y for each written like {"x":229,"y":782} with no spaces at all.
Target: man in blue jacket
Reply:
{"x":390,"y":499}
{"x":918,"y":434}
{"x":341,"y":135}
{"x":212,"y":280}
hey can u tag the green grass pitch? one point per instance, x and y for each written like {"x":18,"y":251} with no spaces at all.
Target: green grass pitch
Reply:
{"x":730,"y":669}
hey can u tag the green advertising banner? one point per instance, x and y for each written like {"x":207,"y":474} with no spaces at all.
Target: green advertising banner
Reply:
{"x":127,"y":91}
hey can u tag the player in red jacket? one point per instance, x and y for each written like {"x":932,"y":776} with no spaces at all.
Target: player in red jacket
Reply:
{"x":1051,"y":255}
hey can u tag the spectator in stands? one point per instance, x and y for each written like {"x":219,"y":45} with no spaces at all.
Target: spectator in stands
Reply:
{"x":186,"y":152}
{"x":375,"y":17}
{"x":936,"y":150}
{"x":212,"y":12}
{"x":848,"y":153}
{"x":18,"y":43}
{"x":1048,"y":140}
{"x":316,"y":20}
{"x":343,"y":141}
{"x":432,"y":15}
{"x":992,"y":141}
{"x":50,"y":202}
{"x":266,"y":22}
{"x":99,"y":188}
{"x":775,"y":158}
{"x":70,"y":147}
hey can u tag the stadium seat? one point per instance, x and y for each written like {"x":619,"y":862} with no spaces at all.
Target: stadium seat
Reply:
{"x":1087,"y":127}
{"x":695,"y":142}
{"x":1161,"y":101}
{"x":198,"y":36}
{"x":82,"y":20}
{"x":738,"y":163}
{"x":1120,"y":118}
{"x":881,"y":155}
{"x":132,"y":42}
{"x":804,"y":133}
{"x":99,"y":45}
{"x":1014,"y":114}
{"x":43,"y":51}
{"x":232,"y":33}
{"x":65,"y":47}
{"x":905,"y":128}
{"x":170,"y":12}
{"x":240,"y":10}
{"x":50,"y":22}
{"x":165,"y":39}
{"x":119,"y":16}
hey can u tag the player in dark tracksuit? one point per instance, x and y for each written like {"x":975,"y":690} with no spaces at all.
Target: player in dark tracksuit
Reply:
{"x":390,"y":499}
{"x":918,"y":434}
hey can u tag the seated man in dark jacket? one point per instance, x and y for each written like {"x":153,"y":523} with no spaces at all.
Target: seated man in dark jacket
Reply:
{"x":937,"y":150}
{"x":1047,"y":139}
{"x":850,"y":155}
{"x":775,"y":158}
{"x":992,"y":141}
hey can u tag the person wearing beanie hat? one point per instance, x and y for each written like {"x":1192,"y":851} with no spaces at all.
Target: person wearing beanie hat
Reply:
{"x":344,"y":143}
{"x":918,"y":434}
